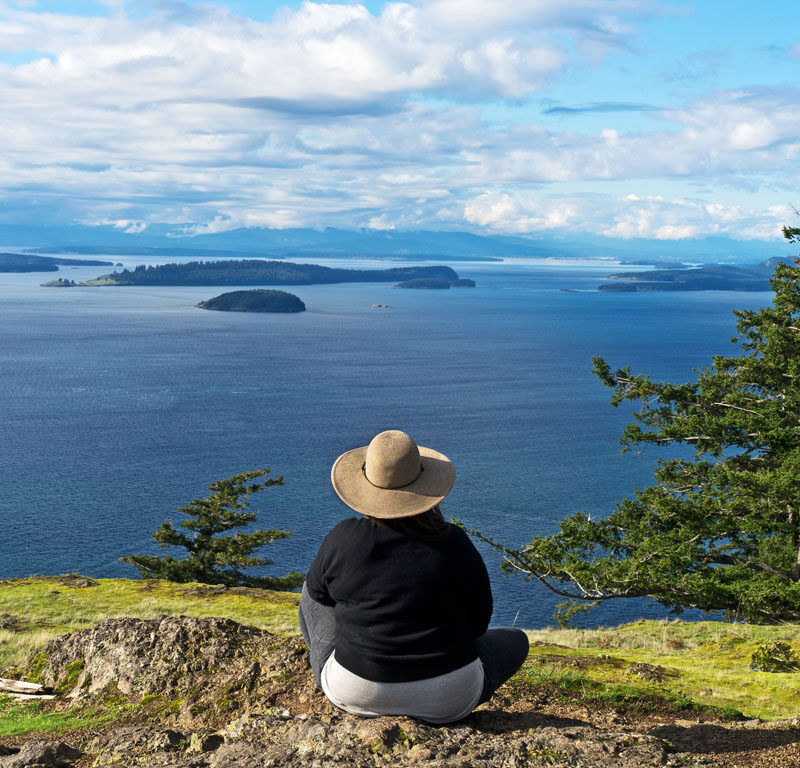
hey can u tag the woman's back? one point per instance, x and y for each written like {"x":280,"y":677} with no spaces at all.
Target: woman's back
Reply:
{"x":404,"y":609}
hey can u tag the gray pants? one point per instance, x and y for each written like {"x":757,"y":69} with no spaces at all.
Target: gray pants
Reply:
{"x":502,"y":650}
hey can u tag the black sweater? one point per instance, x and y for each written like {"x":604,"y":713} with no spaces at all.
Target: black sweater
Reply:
{"x":404,"y":610}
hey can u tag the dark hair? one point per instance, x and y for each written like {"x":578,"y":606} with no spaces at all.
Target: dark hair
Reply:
{"x":429,"y":527}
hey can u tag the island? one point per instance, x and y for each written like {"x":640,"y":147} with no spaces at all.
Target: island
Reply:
{"x":263,"y":272}
{"x":714,"y":277}
{"x":258,"y":300}
{"x":28,"y":262}
{"x":437,"y":283}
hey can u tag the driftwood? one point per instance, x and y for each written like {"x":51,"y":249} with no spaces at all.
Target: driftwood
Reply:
{"x":19,"y":689}
{"x":27,"y":696}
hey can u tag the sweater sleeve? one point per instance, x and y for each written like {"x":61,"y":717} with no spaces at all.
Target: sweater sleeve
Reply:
{"x":482,"y":603}
{"x":316,"y":581}
{"x":479,"y":603}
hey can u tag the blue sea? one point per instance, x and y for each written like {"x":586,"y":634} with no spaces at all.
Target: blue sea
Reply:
{"x":119,"y":405}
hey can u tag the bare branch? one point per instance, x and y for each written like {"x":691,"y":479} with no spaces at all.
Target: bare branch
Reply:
{"x":736,"y":407}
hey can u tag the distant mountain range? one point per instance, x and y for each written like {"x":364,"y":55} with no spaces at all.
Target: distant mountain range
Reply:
{"x":425,"y":245}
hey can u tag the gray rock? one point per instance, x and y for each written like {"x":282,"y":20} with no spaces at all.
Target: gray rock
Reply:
{"x":128,"y":741}
{"x":244,"y":754}
{"x":205,"y":742}
{"x":9,"y":622}
{"x":210,"y":668}
{"x":43,"y":753}
{"x":652,"y":672}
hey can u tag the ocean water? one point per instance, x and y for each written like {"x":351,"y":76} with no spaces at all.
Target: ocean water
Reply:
{"x":117,"y":405}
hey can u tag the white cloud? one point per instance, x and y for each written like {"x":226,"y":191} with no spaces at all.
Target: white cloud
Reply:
{"x":126,"y":225}
{"x":630,"y":216}
{"x":329,"y":114}
{"x":381,"y":222}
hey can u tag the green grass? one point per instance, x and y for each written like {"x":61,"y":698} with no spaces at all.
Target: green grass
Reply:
{"x":44,"y":608}
{"x":102,"y":280}
{"x":711,"y":661}
{"x":18,"y":718}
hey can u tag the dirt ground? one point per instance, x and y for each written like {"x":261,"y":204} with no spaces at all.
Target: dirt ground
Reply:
{"x":749,"y":744}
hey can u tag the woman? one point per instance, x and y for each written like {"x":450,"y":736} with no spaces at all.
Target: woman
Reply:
{"x":396,"y":605}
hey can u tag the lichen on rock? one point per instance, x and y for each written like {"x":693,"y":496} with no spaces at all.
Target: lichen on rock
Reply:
{"x":208,"y":667}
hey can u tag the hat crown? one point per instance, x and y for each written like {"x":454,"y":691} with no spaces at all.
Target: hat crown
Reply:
{"x":392,"y":460}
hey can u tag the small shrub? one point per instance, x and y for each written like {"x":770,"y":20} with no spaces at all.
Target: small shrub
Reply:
{"x":730,"y":712}
{"x":774,"y":656}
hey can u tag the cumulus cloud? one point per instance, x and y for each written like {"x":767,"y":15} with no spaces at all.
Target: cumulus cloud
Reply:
{"x":331,"y":114}
{"x":630,"y":216}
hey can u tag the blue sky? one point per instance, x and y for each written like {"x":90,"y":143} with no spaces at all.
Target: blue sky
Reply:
{"x":627,"y":118}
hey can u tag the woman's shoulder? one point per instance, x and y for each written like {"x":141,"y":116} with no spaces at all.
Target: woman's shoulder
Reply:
{"x":349,"y":528}
{"x":458,"y":534}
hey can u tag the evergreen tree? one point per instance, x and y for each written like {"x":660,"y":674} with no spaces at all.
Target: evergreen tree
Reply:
{"x":214,"y":558}
{"x":719,"y":530}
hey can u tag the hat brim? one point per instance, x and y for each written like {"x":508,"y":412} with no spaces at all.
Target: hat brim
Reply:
{"x":434,"y":482}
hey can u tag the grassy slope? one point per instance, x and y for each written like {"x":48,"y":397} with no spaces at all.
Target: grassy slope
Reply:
{"x":711,"y":659}
{"x":44,"y":608}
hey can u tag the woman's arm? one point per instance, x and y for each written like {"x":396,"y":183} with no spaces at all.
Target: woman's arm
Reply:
{"x":482,"y":602}
{"x":316,"y":580}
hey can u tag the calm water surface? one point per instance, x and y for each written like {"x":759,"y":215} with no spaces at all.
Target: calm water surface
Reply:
{"x":120,"y":404}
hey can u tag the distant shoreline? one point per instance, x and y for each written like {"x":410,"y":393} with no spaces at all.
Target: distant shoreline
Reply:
{"x":257,"y":272}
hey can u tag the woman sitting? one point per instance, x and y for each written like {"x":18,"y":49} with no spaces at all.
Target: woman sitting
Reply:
{"x":396,"y":605}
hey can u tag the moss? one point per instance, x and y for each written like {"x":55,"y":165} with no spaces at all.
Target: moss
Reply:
{"x":171,"y":707}
{"x":111,"y":696}
{"x":33,"y":672}
{"x":545,"y":755}
{"x":70,"y":677}
{"x":228,"y":705}
{"x":199,"y":707}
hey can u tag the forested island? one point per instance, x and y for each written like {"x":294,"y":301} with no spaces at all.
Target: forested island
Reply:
{"x":715,"y":277}
{"x":260,"y":272}
{"x":28,"y":262}
{"x":258,"y":300}
{"x":438,"y":283}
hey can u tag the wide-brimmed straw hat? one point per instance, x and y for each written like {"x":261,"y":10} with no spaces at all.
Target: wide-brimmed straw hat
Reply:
{"x":392,"y":477}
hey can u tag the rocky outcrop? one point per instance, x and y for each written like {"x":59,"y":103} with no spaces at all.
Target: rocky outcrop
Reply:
{"x":211,"y":693}
{"x":278,"y":739}
{"x":42,"y":753}
{"x":201,"y":670}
